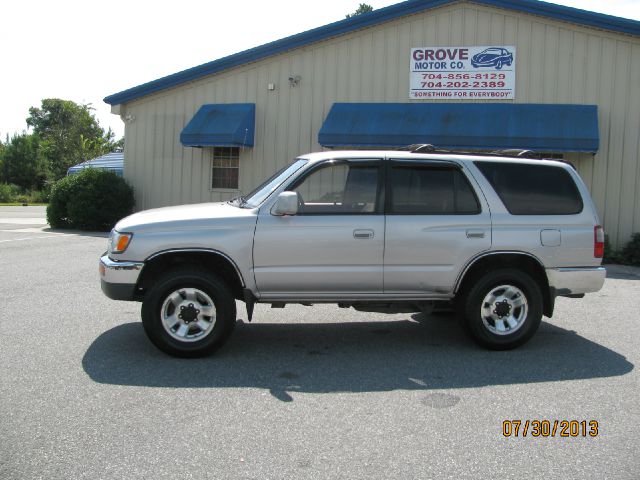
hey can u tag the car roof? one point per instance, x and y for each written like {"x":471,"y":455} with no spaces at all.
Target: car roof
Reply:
{"x":459,"y":158}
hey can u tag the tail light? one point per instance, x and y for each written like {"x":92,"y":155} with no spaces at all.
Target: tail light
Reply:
{"x":598,"y":241}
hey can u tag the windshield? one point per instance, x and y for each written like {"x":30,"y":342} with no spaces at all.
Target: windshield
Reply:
{"x":260,"y":193}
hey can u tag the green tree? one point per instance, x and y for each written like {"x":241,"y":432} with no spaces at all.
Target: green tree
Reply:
{"x":2,"y":179}
{"x":118,"y":146}
{"x":363,"y":8}
{"x":23,"y":162}
{"x":69,"y":134}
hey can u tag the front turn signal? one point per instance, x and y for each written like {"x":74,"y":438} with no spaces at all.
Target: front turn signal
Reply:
{"x":120,"y":241}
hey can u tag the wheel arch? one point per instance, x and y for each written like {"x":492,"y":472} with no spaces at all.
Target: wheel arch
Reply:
{"x":524,"y":261}
{"x":212,"y":260}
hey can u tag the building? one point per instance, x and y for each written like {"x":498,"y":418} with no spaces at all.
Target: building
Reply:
{"x":113,"y":161}
{"x":482,"y":74}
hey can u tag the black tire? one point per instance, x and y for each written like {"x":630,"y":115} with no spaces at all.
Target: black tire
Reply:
{"x":196,"y":280}
{"x":484,"y":328}
{"x":498,"y":65}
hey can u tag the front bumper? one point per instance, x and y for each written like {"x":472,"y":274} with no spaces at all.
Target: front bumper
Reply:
{"x":576,"y":280}
{"x":118,"y":279}
{"x":487,"y":63}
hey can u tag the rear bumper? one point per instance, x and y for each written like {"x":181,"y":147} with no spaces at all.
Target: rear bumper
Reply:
{"x":118,"y":279}
{"x":576,"y":280}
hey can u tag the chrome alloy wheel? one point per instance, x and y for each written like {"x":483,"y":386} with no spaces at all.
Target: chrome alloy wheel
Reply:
{"x":188,"y":314}
{"x":504,"y":309}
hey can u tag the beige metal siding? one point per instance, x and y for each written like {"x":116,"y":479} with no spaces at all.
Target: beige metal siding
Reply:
{"x":557,"y":62}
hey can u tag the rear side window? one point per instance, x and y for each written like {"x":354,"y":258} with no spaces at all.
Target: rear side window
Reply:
{"x":431,"y":191}
{"x":527,"y":189}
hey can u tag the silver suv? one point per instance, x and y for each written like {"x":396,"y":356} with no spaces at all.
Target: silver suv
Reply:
{"x":380,"y":231}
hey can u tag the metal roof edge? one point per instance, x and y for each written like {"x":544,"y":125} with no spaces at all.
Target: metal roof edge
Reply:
{"x":568,"y":14}
{"x":341,"y":27}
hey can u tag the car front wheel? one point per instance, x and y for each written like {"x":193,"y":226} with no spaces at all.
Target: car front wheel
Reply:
{"x":188,"y":313}
{"x":503,"y":309}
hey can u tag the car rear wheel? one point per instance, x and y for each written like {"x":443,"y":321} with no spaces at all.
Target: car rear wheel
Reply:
{"x":503,"y":309}
{"x":188,"y":313}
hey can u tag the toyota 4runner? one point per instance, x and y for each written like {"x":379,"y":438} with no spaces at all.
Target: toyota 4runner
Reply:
{"x":380,"y":231}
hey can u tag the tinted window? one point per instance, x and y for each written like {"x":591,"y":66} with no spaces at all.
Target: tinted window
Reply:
{"x":431,"y":191}
{"x":339,"y":189}
{"x":533,"y":189}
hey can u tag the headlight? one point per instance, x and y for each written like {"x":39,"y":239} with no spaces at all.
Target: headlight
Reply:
{"x":118,"y":242}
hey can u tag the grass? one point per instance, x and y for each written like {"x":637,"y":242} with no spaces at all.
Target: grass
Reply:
{"x":18,"y":204}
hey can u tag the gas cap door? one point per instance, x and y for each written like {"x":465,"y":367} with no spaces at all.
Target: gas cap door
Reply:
{"x":550,"y":238}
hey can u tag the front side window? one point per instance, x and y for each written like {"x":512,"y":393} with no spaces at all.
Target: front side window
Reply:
{"x":420,"y":190}
{"x":225,"y":168}
{"x":266,"y":188}
{"x":339,"y":188}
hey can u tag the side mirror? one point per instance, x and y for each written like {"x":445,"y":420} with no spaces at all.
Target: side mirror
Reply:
{"x":286,"y":204}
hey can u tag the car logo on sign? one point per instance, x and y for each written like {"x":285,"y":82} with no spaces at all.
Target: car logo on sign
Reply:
{"x":493,"y":57}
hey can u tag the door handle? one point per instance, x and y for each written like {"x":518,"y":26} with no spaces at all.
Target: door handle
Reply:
{"x":475,"y":233}
{"x":362,"y":234}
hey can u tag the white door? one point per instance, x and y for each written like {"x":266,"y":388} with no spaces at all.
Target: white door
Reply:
{"x":435,"y":224}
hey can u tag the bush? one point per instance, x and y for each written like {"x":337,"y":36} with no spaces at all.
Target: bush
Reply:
{"x":90,"y":200}
{"x":61,"y":195}
{"x":610,"y":255}
{"x":8,"y":192}
{"x":631,"y":252}
{"x":40,"y":196}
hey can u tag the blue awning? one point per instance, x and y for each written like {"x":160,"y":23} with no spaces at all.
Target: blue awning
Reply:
{"x":221,"y":125}
{"x":547,"y":128}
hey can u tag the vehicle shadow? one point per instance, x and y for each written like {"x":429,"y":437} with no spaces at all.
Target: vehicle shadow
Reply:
{"x":622,"y":272}
{"x":418,"y":354}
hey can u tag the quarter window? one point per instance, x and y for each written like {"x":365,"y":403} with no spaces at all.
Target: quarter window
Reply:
{"x":339,"y":189}
{"x":225,"y":168}
{"x":431,"y":191}
{"x":527,"y":189}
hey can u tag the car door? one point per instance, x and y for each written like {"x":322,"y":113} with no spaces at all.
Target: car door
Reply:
{"x":333,"y":247}
{"x":436,"y":221}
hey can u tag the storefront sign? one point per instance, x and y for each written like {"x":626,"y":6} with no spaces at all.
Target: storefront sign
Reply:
{"x":470,"y":73}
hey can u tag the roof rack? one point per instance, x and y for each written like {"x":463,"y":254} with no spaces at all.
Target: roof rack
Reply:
{"x":509,"y":152}
{"x":516,"y":152}
{"x":429,"y":148}
{"x":418,"y":148}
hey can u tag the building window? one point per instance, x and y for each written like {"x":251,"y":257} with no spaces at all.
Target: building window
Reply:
{"x":225,"y":168}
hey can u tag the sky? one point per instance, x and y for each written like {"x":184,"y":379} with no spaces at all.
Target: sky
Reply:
{"x":84,"y":50}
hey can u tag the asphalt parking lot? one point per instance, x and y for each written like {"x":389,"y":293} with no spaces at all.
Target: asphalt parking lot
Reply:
{"x":300,"y":392}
